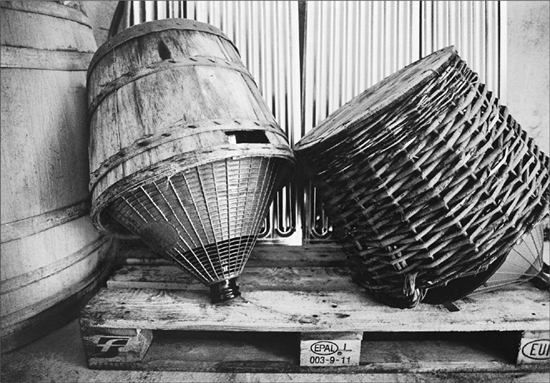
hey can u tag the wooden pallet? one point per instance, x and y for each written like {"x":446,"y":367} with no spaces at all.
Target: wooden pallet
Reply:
{"x":299,"y":312}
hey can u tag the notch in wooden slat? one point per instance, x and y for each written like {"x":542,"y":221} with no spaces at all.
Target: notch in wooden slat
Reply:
{"x":247,"y":137}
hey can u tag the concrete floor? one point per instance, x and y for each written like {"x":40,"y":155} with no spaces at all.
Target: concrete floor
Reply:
{"x":59,"y":357}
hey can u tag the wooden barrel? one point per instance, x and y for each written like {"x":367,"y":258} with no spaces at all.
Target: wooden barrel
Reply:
{"x":184,"y":151}
{"x":52,"y":257}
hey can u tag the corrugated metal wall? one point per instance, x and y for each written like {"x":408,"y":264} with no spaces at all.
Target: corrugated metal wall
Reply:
{"x":347,"y":47}
{"x":476,"y":28}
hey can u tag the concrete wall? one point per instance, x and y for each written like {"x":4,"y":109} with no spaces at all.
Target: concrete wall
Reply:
{"x":529,"y":67}
{"x":100,"y":14}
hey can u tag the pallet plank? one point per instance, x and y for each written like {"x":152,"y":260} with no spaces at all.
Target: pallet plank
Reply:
{"x":296,"y":298}
{"x":253,"y":278}
{"x":135,"y":252}
{"x":514,"y":309}
{"x":276,"y":353}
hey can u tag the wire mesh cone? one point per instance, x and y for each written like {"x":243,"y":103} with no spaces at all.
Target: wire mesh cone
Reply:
{"x":206,"y":219}
{"x":427,"y":178}
{"x":527,"y":261}
{"x":524,"y":262}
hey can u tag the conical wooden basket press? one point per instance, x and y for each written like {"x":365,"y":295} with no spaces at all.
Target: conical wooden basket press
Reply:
{"x":184,"y":153}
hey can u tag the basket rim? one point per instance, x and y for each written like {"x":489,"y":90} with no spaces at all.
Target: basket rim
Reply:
{"x":340,"y":121}
{"x":154,"y":27}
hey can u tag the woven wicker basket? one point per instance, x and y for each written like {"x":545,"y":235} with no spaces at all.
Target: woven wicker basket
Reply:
{"x":184,"y":153}
{"x":428,"y":179}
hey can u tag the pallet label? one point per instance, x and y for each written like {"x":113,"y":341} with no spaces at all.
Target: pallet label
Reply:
{"x":108,"y":347}
{"x":537,"y":349}
{"x":534,"y":347}
{"x":115,"y":348}
{"x":344,"y":352}
{"x":324,"y":347}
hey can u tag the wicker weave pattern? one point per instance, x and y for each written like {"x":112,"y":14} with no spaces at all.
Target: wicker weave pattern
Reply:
{"x":206,"y":218}
{"x":436,"y":187}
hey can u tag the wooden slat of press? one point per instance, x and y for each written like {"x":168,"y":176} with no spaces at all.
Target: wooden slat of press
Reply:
{"x":252,"y":278}
{"x":519,"y":308}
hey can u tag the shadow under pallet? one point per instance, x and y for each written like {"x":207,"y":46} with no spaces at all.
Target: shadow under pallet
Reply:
{"x":300,"y":312}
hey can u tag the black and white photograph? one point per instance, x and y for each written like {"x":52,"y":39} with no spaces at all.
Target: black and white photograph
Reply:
{"x":275,"y":191}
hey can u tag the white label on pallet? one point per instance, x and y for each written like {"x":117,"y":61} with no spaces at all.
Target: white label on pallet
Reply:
{"x":534,"y":347}
{"x":331,"y":353}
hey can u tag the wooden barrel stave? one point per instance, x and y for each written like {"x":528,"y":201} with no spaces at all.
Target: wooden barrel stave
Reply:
{"x":53,"y":258}
{"x":67,"y":29}
{"x":180,"y":103}
{"x":164,"y":80}
{"x":54,"y":173}
{"x":31,"y":282}
{"x":122,"y":132}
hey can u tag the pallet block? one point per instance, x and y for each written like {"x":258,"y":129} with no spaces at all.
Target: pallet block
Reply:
{"x":305,"y":317}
